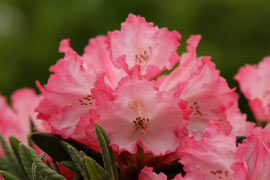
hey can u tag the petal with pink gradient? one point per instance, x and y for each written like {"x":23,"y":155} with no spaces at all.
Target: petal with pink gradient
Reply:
{"x":24,"y":101}
{"x":97,"y":54}
{"x":240,"y":125}
{"x":211,"y":157}
{"x":15,"y":120}
{"x":197,"y":81}
{"x":253,"y":156}
{"x":139,"y":114}
{"x":209,"y":95}
{"x":67,"y":95}
{"x":140,"y":42}
{"x":148,"y":174}
{"x":254,"y":84}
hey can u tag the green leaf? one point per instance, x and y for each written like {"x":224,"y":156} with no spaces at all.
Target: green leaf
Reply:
{"x":41,"y":169}
{"x":12,"y":163}
{"x":7,"y":176}
{"x":6,"y":149}
{"x":15,"y":146}
{"x":77,"y":159}
{"x":4,"y":164}
{"x":91,"y":168}
{"x":70,"y":165}
{"x":107,"y":153}
{"x":26,"y":160}
{"x":51,"y":144}
{"x":95,"y":170}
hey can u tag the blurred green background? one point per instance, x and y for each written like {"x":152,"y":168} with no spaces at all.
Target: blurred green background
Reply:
{"x":234,"y":32}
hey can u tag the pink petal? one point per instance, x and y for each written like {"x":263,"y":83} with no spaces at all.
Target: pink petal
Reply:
{"x":140,"y":42}
{"x":148,"y":174}
{"x":254,"y":83}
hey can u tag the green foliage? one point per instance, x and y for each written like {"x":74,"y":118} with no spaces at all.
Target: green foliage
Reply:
{"x":95,"y":170}
{"x":107,"y":153}
{"x":23,"y":163}
{"x":7,"y":176}
{"x":26,"y":160}
{"x":41,"y":169}
{"x":52,"y":145}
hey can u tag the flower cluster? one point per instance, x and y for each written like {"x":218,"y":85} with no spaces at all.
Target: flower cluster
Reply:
{"x":188,"y":115}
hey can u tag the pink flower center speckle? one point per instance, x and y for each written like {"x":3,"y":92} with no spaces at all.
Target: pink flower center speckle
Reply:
{"x":87,"y":100}
{"x":142,"y":56}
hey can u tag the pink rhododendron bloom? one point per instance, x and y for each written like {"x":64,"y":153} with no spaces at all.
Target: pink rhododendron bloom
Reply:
{"x":139,"y":114}
{"x":15,"y":120}
{"x":148,"y":174}
{"x":197,"y":81}
{"x":211,"y":157}
{"x":240,"y":125}
{"x":67,"y":95}
{"x":254,"y":156}
{"x":141,"y":43}
{"x":97,"y":54}
{"x":254,"y":82}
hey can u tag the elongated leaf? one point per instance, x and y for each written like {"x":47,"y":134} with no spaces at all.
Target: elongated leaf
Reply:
{"x":4,"y":164}
{"x":6,"y":149}
{"x":42,"y":169}
{"x":7,"y":176}
{"x":15,"y":146}
{"x":77,"y":158}
{"x":13,"y":164}
{"x":95,"y":170}
{"x":26,"y":160}
{"x":51,"y":144}
{"x":91,"y":168}
{"x":107,"y":153}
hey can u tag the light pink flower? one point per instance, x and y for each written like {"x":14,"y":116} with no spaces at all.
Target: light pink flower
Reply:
{"x":15,"y":120}
{"x":238,"y":121}
{"x":142,"y":43}
{"x":67,"y":95}
{"x":254,"y":156}
{"x":139,"y":114}
{"x":197,"y":81}
{"x":97,"y":54}
{"x":254,"y":83}
{"x":211,"y":157}
{"x":148,"y":174}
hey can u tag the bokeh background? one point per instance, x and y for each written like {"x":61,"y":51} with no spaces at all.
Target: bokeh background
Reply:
{"x":235,"y":32}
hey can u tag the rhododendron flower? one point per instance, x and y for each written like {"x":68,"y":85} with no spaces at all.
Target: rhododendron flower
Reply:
{"x":254,"y":82}
{"x":240,"y":125}
{"x":140,"y":114}
{"x":211,"y":157}
{"x":15,"y":120}
{"x":197,"y":81}
{"x":67,"y":95}
{"x":97,"y":54}
{"x":148,"y":174}
{"x":254,"y":156}
{"x":142,"y":43}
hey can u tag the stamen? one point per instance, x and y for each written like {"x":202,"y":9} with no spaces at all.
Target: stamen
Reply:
{"x":87,"y":100}
{"x":141,"y":124}
{"x":143,"y":56}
